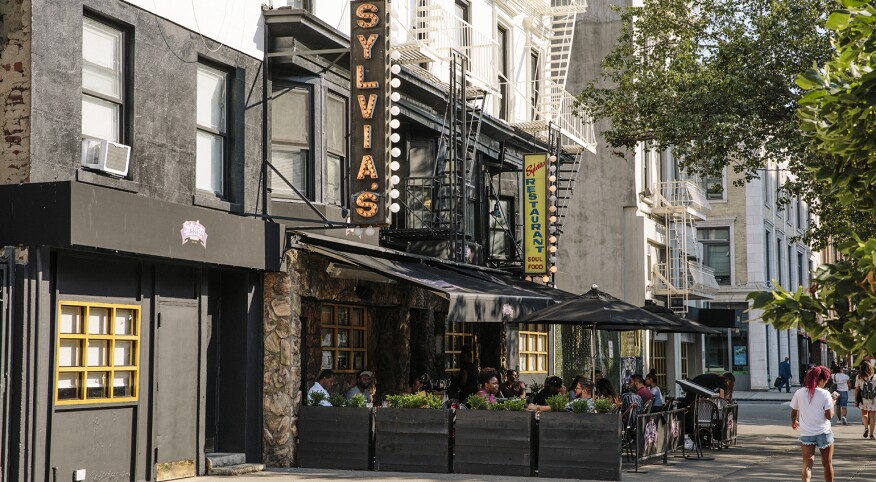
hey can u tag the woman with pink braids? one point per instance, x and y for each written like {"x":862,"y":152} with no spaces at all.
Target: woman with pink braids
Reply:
{"x":811,"y":411}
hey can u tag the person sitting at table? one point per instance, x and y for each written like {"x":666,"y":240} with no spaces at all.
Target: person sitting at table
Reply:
{"x":415,"y":385}
{"x":468,"y":374}
{"x":323,"y":384}
{"x":488,"y":383}
{"x":631,"y":403}
{"x":362,"y":386}
{"x":605,"y":390}
{"x":651,"y":385}
{"x":513,"y":387}
{"x":581,"y":389}
{"x":637,"y":383}
{"x":553,"y":385}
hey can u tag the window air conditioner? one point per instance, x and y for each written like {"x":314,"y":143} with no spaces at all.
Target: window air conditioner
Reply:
{"x":106,"y":156}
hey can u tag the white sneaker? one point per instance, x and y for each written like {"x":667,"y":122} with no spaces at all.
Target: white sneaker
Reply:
{"x":844,"y":421}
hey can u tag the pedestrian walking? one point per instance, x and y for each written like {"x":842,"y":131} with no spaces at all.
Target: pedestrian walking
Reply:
{"x":865,"y":388}
{"x":811,"y":411}
{"x":841,"y":382}
{"x":785,"y":375}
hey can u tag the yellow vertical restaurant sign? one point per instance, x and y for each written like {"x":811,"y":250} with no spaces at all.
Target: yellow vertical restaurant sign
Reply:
{"x":535,"y":213}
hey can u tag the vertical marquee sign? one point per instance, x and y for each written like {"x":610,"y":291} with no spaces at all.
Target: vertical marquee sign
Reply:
{"x":369,"y":102}
{"x":535,"y":214}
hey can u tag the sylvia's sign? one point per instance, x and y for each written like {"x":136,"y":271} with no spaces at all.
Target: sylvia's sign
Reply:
{"x":369,"y":95}
{"x":194,"y":232}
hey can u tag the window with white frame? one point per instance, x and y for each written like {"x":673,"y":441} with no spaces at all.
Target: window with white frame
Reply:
{"x":716,"y":251}
{"x":212,"y":135}
{"x":713,"y":185}
{"x":767,"y":190}
{"x":502,"y":69}
{"x":336,"y":148}
{"x":501,"y":224}
{"x":779,"y":268}
{"x":767,"y":246}
{"x":103,"y":92}
{"x":291,"y":127}
{"x":534,"y":82}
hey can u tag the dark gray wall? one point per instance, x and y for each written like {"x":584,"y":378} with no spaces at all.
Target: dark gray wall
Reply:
{"x":162,"y":109}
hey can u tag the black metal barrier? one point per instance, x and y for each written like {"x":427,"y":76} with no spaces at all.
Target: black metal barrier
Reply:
{"x":729,"y":424}
{"x":658,"y":434}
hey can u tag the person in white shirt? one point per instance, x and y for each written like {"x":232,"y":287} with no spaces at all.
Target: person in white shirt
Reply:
{"x":323,"y":384}
{"x":841,"y":380}
{"x":811,"y":411}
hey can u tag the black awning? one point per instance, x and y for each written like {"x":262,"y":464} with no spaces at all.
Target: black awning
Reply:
{"x":717,"y":317}
{"x":472,"y":298}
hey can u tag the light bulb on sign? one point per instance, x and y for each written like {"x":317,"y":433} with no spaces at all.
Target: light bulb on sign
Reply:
{"x":553,"y":269}
{"x":394,"y":123}
{"x":552,"y":240}
{"x":369,"y":231}
{"x":394,"y":110}
{"x":553,"y":229}
{"x":395,"y":97}
{"x":394,"y":194}
{"x":552,"y":249}
{"x":552,"y":188}
{"x":553,"y":259}
{"x":396,"y":68}
{"x":394,"y":179}
{"x":394,"y":207}
{"x":394,"y":166}
{"x":552,"y":209}
{"x":546,"y":278}
{"x":552,"y":168}
{"x":552,"y":178}
{"x":553,"y":198}
{"x":394,"y":138}
{"x":357,"y":231}
{"x":553,"y":219}
{"x":395,"y":55}
{"x":395,"y":83}
{"x":395,"y":152}
{"x":552,"y":158}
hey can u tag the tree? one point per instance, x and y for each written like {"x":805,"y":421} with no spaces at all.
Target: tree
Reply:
{"x":837,"y":113}
{"x":714,"y":80}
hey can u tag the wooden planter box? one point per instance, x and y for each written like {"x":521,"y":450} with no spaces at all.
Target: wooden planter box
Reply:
{"x":412,"y":440}
{"x":579,"y":445}
{"x":494,"y":443}
{"x":334,"y":438}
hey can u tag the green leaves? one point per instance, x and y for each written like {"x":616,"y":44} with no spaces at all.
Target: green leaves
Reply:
{"x":838,"y":19}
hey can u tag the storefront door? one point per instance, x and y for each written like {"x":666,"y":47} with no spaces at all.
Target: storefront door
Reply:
{"x":176,"y":397}
{"x":5,"y":329}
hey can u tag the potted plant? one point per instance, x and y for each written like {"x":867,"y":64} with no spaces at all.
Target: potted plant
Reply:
{"x":495,"y":439}
{"x":336,"y":437}
{"x":413,"y":434}
{"x":572,"y":445}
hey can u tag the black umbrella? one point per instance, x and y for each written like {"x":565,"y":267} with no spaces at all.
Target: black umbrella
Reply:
{"x":597,"y":310}
{"x":684,"y":325}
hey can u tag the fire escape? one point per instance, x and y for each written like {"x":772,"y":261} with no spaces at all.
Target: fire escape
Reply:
{"x":681,"y":276}
{"x":437,"y":46}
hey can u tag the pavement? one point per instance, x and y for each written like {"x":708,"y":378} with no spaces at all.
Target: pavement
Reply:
{"x":761,"y":396}
{"x":767,"y":450}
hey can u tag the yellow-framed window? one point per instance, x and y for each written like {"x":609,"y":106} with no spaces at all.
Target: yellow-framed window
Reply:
{"x":685,"y":369}
{"x":457,"y":334}
{"x":533,"y":347}
{"x":343,"y":338}
{"x":98,"y":353}
{"x":658,"y":362}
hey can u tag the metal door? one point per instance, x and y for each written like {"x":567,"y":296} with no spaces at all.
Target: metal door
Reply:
{"x":176,"y":397}
{"x":5,"y":332}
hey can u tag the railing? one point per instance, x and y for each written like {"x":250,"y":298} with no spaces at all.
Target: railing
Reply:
{"x":554,"y":105}
{"x":416,"y":195}
{"x":684,"y":193}
{"x":702,"y":277}
{"x":675,"y":280}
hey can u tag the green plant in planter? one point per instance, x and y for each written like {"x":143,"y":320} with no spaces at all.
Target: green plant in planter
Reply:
{"x":358,"y":401}
{"x":476,"y":402}
{"x":316,"y":399}
{"x":511,"y":405}
{"x":414,"y":400}
{"x":558,"y":402}
{"x":534,"y":387}
{"x":582,"y":406}
{"x":337,"y":400}
{"x":603,"y":405}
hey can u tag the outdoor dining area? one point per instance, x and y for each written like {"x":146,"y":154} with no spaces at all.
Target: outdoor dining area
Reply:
{"x":582,"y":428}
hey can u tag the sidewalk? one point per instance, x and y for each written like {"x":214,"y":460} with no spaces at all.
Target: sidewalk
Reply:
{"x":760,"y":396}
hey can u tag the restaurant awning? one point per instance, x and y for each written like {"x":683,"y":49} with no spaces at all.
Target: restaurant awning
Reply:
{"x":473,"y":298}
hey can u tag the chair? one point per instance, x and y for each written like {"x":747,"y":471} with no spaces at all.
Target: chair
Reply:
{"x":628,"y":437}
{"x":646,"y":408}
{"x":669,"y":403}
{"x":707,"y":424}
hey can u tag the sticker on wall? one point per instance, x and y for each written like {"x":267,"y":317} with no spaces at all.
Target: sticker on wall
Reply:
{"x":193,"y":232}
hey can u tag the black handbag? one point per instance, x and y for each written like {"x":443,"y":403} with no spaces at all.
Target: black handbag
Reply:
{"x":778,"y":383}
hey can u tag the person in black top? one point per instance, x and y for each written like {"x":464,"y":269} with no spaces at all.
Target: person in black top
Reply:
{"x":723,"y":384}
{"x":468,"y":374}
{"x":552,"y":386}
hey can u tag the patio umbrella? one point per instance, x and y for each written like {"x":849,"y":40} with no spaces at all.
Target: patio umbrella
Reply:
{"x":684,"y":325}
{"x":597,"y":310}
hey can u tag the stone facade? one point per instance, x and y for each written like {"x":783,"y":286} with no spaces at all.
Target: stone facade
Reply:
{"x":15,"y":87}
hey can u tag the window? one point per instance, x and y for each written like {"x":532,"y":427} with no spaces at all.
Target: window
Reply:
{"x":685,"y":361}
{"x":501,"y":223}
{"x":98,"y":353}
{"x":658,"y":362}
{"x":801,"y":275}
{"x":210,"y":165}
{"x":533,"y":345}
{"x":461,"y":29}
{"x":779,"y":268}
{"x":799,"y":213}
{"x":502,"y":70}
{"x":336,"y":148}
{"x":290,"y":141}
{"x":765,"y":180}
{"x":457,"y":334}
{"x":417,"y":188}
{"x":716,"y":251}
{"x":103,"y":90}
{"x":713,"y":186}
{"x":534,"y":82}
{"x":790,"y":267}
{"x":767,"y":244}
{"x":302,"y":4}
{"x":343,"y":338}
